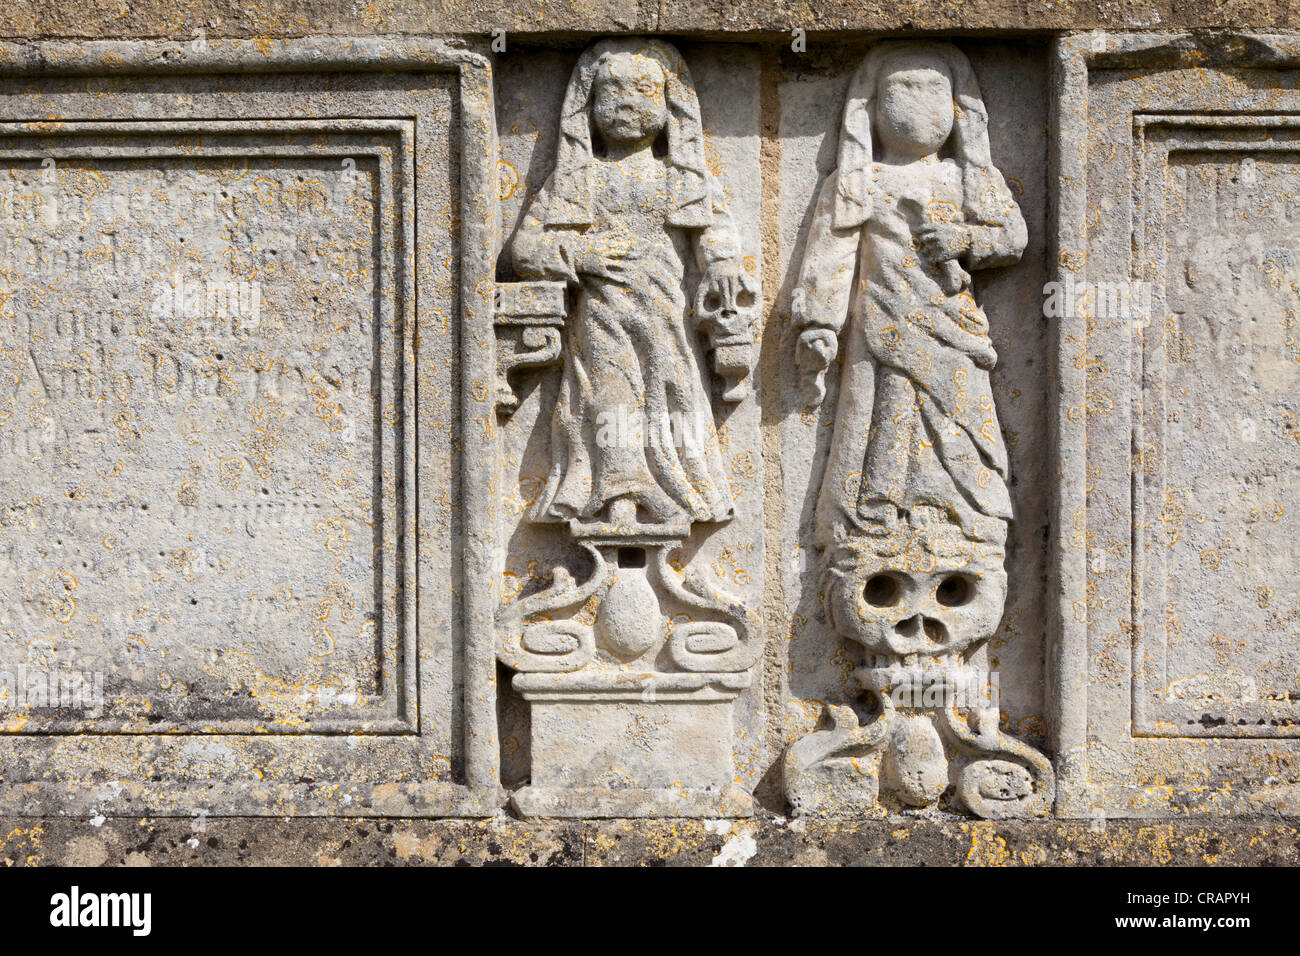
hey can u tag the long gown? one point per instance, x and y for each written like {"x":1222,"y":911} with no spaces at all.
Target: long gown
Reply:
{"x":916,"y":423}
{"x":629,"y":356}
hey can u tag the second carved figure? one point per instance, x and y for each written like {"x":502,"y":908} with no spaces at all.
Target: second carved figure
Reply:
{"x":913,"y":510}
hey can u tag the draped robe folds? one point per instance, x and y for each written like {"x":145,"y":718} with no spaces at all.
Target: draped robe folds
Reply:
{"x":915,"y":423}
{"x":630,"y":358}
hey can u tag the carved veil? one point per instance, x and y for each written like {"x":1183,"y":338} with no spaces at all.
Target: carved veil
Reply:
{"x":969,"y":142}
{"x":571,"y":195}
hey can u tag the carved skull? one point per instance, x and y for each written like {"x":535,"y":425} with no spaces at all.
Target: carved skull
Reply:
{"x":724,"y":305}
{"x":906,"y":601}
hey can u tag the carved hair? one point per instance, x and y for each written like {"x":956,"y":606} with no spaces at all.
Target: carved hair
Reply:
{"x":969,"y":140}
{"x":571,"y":199}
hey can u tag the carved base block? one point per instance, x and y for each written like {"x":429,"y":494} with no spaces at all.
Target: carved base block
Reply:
{"x":637,"y":745}
{"x":915,"y":757}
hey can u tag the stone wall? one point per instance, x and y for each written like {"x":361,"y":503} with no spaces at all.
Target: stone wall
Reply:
{"x":557,"y":422}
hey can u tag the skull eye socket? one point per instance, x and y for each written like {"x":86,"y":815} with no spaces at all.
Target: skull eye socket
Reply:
{"x":882,"y":590}
{"x":955,"y":590}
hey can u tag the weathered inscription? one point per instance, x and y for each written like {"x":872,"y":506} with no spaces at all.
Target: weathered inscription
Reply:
{"x":1225,"y":444}
{"x":193,"y":416}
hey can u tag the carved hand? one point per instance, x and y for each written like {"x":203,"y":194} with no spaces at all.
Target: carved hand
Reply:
{"x":942,"y":241}
{"x":606,"y":254}
{"x":816,"y":350}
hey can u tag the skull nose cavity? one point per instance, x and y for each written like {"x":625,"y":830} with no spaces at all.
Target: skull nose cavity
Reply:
{"x":918,"y":625}
{"x":909,"y":626}
{"x":935,"y":631}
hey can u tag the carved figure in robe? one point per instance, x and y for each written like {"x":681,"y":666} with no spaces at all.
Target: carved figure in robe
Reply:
{"x":914,"y":205}
{"x":629,"y":203}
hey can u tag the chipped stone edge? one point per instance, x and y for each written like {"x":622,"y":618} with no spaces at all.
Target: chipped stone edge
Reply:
{"x":258,"y":55}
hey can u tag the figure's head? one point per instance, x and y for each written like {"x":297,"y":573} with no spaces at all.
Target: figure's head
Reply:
{"x":909,"y":99}
{"x":914,"y":104}
{"x":626,"y":91}
{"x":628,"y":104}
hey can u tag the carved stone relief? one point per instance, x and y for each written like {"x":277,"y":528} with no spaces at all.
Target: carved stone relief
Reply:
{"x":913,"y":508}
{"x":631,"y":657}
{"x":627,"y":308}
{"x":651,"y":428}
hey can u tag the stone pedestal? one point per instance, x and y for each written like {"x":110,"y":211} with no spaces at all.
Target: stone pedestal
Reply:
{"x":632,"y":745}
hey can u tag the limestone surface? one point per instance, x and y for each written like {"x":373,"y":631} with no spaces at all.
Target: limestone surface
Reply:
{"x":582,"y":423}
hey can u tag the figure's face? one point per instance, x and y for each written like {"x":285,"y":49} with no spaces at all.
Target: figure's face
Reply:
{"x":629,"y":103}
{"x":914,"y":106}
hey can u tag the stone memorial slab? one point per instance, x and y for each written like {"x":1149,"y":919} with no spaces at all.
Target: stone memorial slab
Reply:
{"x":1176,"y":670}
{"x":234,"y":283}
{"x":615,"y":426}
